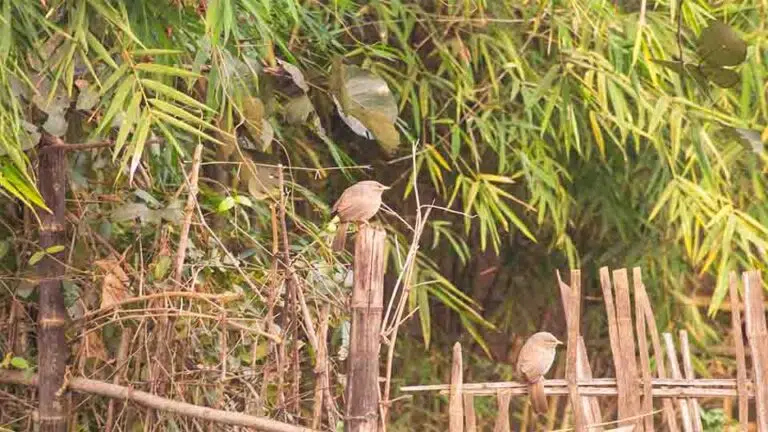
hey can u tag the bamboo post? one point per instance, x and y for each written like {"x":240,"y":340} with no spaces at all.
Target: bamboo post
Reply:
{"x":658,"y":354}
{"x":573,"y":306}
{"x":757,"y":336}
{"x":455,"y":409}
{"x":502,"y":417}
{"x":642,"y":342}
{"x":741,"y":361}
{"x":590,"y":405}
{"x":362,"y":393}
{"x":626,"y":339}
{"x":51,"y":343}
{"x":676,"y":374}
{"x":624,"y":385}
{"x":470,"y":419}
{"x":685,"y":350}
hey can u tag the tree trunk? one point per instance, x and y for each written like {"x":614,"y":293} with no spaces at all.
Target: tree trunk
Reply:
{"x":52,"y":347}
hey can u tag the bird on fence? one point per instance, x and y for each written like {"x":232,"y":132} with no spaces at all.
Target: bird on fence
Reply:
{"x":358,"y":203}
{"x":535,"y":358}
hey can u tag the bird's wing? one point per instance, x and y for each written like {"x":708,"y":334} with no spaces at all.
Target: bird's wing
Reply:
{"x":348,"y":203}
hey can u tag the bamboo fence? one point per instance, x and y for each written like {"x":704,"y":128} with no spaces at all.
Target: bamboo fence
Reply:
{"x":636,"y":384}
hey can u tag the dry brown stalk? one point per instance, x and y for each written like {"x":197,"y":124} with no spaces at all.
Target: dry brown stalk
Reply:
{"x":101,"y":388}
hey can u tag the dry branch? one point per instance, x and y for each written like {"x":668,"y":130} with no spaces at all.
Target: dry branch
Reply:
{"x":84,"y":385}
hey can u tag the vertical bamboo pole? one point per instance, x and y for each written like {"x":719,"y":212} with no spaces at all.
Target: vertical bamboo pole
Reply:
{"x":502,"y":417}
{"x":623,"y":386}
{"x":362,"y":393}
{"x":51,"y":343}
{"x":626,"y":342}
{"x":642,"y":345}
{"x":757,"y":336}
{"x":573,"y":305}
{"x":658,"y":354}
{"x":590,"y":405}
{"x":741,"y":360}
{"x":455,"y":409}
{"x":685,"y":351}
{"x":685,"y":413}
{"x":470,"y":419}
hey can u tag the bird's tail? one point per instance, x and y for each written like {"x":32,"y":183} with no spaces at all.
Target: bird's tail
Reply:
{"x":340,"y":238}
{"x":538,"y":398}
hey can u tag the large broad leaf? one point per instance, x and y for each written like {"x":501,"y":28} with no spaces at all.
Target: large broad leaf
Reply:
{"x":366,"y":104}
{"x":719,"y":45}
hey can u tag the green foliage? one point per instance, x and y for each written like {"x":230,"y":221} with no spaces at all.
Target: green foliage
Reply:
{"x":561,"y":133}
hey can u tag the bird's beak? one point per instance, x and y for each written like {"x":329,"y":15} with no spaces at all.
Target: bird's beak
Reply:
{"x":386,"y":187}
{"x":560,"y":343}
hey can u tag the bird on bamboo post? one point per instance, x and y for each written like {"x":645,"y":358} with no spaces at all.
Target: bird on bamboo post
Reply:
{"x":358,"y":204}
{"x":535,"y":358}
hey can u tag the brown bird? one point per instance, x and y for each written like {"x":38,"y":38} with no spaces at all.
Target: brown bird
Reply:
{"x":535,"y":358}
{"x":358,"y":203}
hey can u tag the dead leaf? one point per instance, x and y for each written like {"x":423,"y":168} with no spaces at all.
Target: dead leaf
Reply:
{"x":94,"y":347}
{"x":114,"y":287}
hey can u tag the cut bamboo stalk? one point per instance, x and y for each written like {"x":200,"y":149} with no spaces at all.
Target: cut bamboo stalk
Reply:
{"x":362,"y":393}
{"x":52,"y":320}
{"x":741,"y":361}
{"x":622,"y":385}
{"x":502,"y":417}
{"x":685,"y":351}
{"x":642,"y":341}
{"x":757,"y":336}
{"x":571,"y":368}
{"x":626,"y":342}
{"x":675,"y":367}
{"x":591,"y":406}
{"x":470,"y":419}
{"x":455,"y":408}
{"x":658,"y":354}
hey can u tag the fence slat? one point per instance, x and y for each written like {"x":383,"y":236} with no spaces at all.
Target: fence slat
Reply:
{"x":455,"y":409}
{"x":658,"y":354}
{"x":642,"y":342}
{"x":675,"y":367}
{"x":626,"y":340}
{"x":585,"y":372}
{"x":757,"y":336}
{"x":685,"y":351}
{"x":502,"y":417}
{"x":741,"y":361}
{"x":622,"y":385}
{"x":571,"y":297}
{"x":590,"y":405}
{"x":470,"y":419}
{"x":571,"y":369}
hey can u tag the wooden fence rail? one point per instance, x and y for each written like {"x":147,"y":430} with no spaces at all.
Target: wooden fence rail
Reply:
{"x":635,"y":385}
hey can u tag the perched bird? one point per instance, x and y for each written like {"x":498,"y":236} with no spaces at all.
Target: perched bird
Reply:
{"x":535,"y":359}
{"x":358,"y":203}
